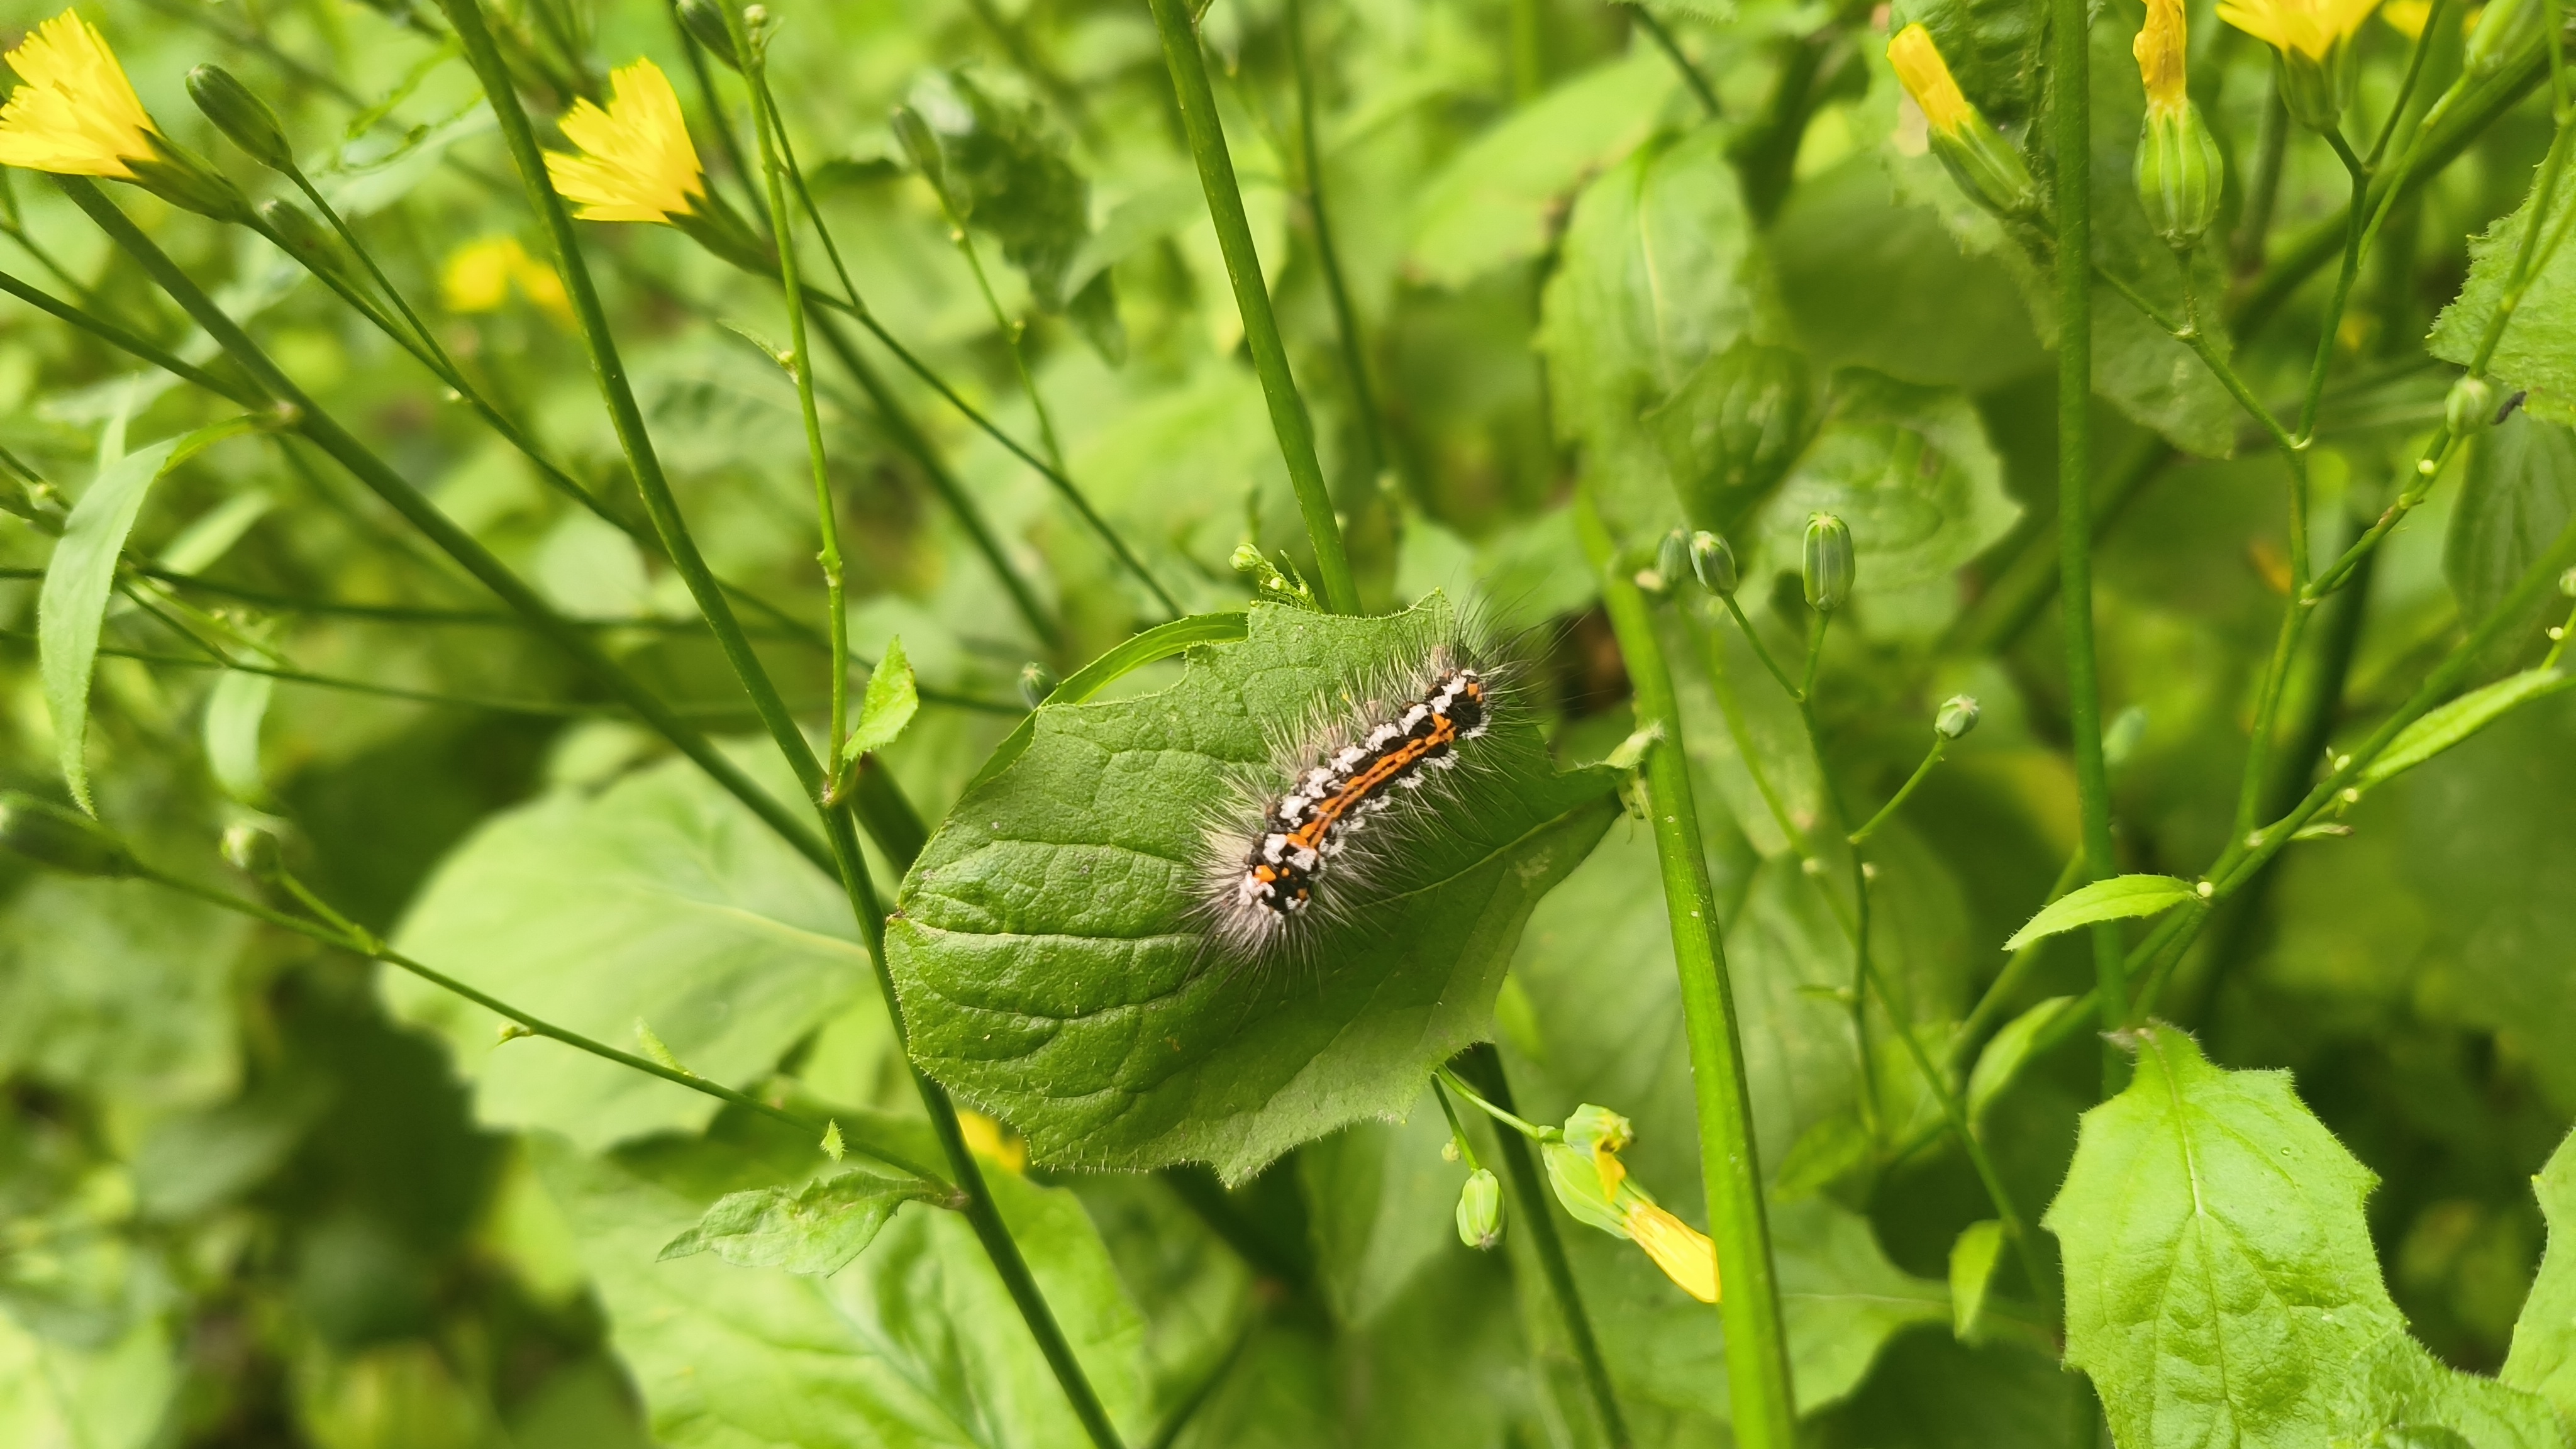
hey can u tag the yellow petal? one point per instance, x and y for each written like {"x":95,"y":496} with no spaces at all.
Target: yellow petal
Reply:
{"x":476,"y":277}
{"x":76,"y":114}
{"x":1682,"y":1251}
{"x":2310,"y":27}
{"x":2160,"y":48}
{"x":988,"y":1140}
{"x":1926,"y":77}
{"x":635,"y":162}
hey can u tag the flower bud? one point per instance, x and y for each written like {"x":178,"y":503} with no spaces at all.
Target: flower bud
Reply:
{"x":301,"y":237}
{"x":2504,"y":28}
{"x":1036,"y":683}
{"x":1592,"y":1128}
{"x":2470,"y":406}
{"x":1987,"y":167}
{"x":241,"y":116}
{"x":1958,"y":716}
{"x":2314,"y":88}
{"x":921,"y":144}
{"x":60,"y":839}
{"x":706,"y":26}
{"x":1480,"y":1210}
{"x":2567,"y":583}
{"x":1672,"y":557}
{"x":2121,"y":737}
{"x":1826,"y":565}
{"x":251,"y":850}
{"x":2179,"y":174}
{"x":1714,"y":563}
{"x":181,"y":179}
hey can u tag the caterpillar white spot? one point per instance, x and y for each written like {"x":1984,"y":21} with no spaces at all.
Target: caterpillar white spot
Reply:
{"x":1282,"y":860}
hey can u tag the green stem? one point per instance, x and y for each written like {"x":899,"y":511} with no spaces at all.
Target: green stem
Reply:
{"x":2423,"y":50}
{"x":2263,"y":188}
{"x":1530,"y":1195}
{"x":2017,"y":968}
{"x":2330,"y":327}
{"x":1656,"y":31}
{"x":1288,"y":417}
{"x":1761,"y":653}
{"x":1346,"y":321}
{"x":1477,"y":1098}
{"x":1940,"y":745}
{"x":128,"y":342}
{"x":2020,"y":593}
{"x":1757,"y":1357}
{"x":1457,"y":1129}
{"x":2070,"y":128}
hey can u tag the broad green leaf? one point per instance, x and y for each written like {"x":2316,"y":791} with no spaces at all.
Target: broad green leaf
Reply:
{"x":2534,"y":355}
{"x":120,"y":988}
{"x":661,"y":900}
{"x":2118,"y":898}
{"x":915,"y":1343}
{"x":816,"y":1228}
{"x":1050,"y":952}
{"x":1007,"y":173}
{"x":1489,"y":205}
{"x":2008,"y":1051}
{"x":1379,"y":1200}
{"x":2516,"y":499}
{"x":234,"y":709}
{"x":109,"y":1396}
{"x":2220,"y":1279}
{"x":1974,"y":1257}
{"x":2543,"y":1357}
{"x":2439,"y":729}
{"x":2398,"y":1394}
{"x":78,"y":580}
{"x":889,"y":704}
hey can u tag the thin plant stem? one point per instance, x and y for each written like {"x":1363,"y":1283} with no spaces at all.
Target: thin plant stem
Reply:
{"x":1288,"y":416}
{"x":1896,"y":802}
{"x":2331,"y":327}
{"x":1759,"y":652}
{"x":1757,"y":1357}
{"x":1014,"y":330}
{"x":1482,"y":1102}
{"x":1457,"y":1129}
{"x":1530,"y":1198}
{"x":131,"y":343}
{"x":1817,"y":624}
{"x":708,"y":97}
{"x":1655,"y":29}
{"x":1731,"y":708}
{"x":2263,"y":187}
{"x":2070,"y":123}
{"x":2423,"y":50}
{"x":1346,"y":321}
{"x":2017,"y":967}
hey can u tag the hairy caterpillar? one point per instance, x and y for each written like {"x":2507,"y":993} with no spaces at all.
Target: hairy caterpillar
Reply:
{"x":1292,"y":855}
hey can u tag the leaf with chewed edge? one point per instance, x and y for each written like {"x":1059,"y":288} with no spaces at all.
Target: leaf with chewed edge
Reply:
{"x":1050,"y":950}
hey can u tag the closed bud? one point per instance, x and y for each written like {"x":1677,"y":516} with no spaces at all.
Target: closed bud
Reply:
{"x":2504,"y":29}
{"x":1958,"y":716}
{"x":1480,"y":1210}
{"x":2470,"y":406}
{"x":1714,"y":564}
{"x":2121,"y":737}
{"x":706,"y":26}
{"x":1036,"y":683}
{"x":243,"y":117}
{"x":2567,"y":583}
{"x":251,"y":850}
{"x":181,"y":179}
{"x":1826,"y":563}
{"x":1988,"y":167}
{"x":60,"y":839}
{"x":2315,"y":89}
{"x":301,"y":237}
{"x":921,"y":144}
{"x":1594,"y":1127}
{"x":2179,"y":173}
{"x":1672,"y":557}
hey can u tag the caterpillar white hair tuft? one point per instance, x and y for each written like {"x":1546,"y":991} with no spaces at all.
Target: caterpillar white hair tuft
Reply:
{"x":1325,"y":829}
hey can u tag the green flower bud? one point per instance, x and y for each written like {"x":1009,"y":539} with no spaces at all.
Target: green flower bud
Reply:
{"x":1826,"y":565}
{"x":179,"y":178}
{"x":60,"y":839}
{"x":1592,"y":1127}
{"x":921,"y":144}
{"x":1714,"y":563}
{"x":1480,"y":1210}
{"x":2470,"y":406}
{"x":2120,"y":739}
{"x":241,"y":116}
{"x":2504,"y":29}
{"x":1575,"y":1175}
{"x":2315,"y":91}
{"x":2567,"y":583}
{"x":251,"y":850}
{"x":1672,"y":557}
{"x":1958,"y":716}
{"x":301,"y":237}
{"x":706,"y":26}
{"x":1036,"y":683}
{"x":2179,"y":174}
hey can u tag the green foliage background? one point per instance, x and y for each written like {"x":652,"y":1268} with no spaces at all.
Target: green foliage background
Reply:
{"x":256,"y":1191}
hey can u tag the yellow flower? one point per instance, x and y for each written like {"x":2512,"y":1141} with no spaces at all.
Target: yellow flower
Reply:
{"x":2407,"y":17}
{"x":1682,"y":1251}
{"x":77,"y":114}
{"x":636,"y":162}
{"x":993,"y":1142}
{"x":1926,"y":77}
{"x":2310,"y":27}
{"x":478,"y":275}
{"x":2160,"y":48}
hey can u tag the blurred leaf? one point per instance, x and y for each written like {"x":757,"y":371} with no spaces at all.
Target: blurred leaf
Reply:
{"x":1932,"y":1392}
{"x":889,"y":704}
{"x":234,"y":709}
{"x":367,"y":176}
{"x":1491,"y":204}
{"x":1006,"y":172}
{"x":2005,"y":1053}
{"x":1973,"y":1259}
{"x":119,"y":987}
{"x":2537,"y":353}
{"x":78,"y":580}
{"x":2543,"y":1357}
{"x":661,"y":900}
{"x":915,"y":1344}
{"x":198,"y":1160}
{"x":53,"y":1394}
{"x":2440,"y":729}
{"x":1380,"y":1200}
{"x":1051,"y":955}
{"x":817,"y":1228}
{"x":2118,"y":898}
{"x":2399,"y":1394}
{"x":2220,"y":1280}
{"x":2518,"y":496}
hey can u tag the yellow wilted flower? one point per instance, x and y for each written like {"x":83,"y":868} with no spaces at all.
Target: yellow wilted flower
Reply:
{"x":636,"y":161}
{"x":1583,"y":1166}
{"x":2312,"y":28}
{"x":2180,"y":168}
{"x":1682,"y":1251}
{"x":1986,"y":166}
{"x":2160,"y":48}
{"x":478,"y":275}
{"x":77,"y":114}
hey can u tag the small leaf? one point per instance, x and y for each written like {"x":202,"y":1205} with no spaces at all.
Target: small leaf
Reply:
{"x":889,"y":704}
{"x":234,"y":709}
{"x":2008,"y":1051}
{"x":2543,"y":1357}
{"x":1973,"y":1258}
{"x":73,"y":606}
{"x":817,"y":1228}
{"x":2104,"y":900}
{"x":832,"y":1145}
{"x":654,"y":1048}
{"x":2442,"y":728}
{"x":2220,"y":1277}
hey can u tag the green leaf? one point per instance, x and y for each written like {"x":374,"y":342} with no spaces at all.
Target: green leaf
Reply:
{"x":109,"y":1396}
{"x":73,"y":606}
{"x":1006,"y":172}
{"x":1051,"y":959}
{"x":817,"y":1228}
{"x":1993,"y":48}
{"x":2516,"y":499}
{"x":661,"y":900}
{"x":915,"y":1343}
{"x":1932,"y":1392}
{"x":1974,"y":1256}
{"x":1490,"y":204}
{"x":2439,"y":729}
{"x":2399,"y":1395}
{"x":119,"y":987}
{"x":2535,"y":353}
{"x":234,"y":709}
{"x":1380,"y":1204}
{"x":2543,"y":1357}
{"x":2220,"y":1278}
{"x":2115,"y":899}
{"x":889,"y":704}
{"x":2008,"y":1051}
